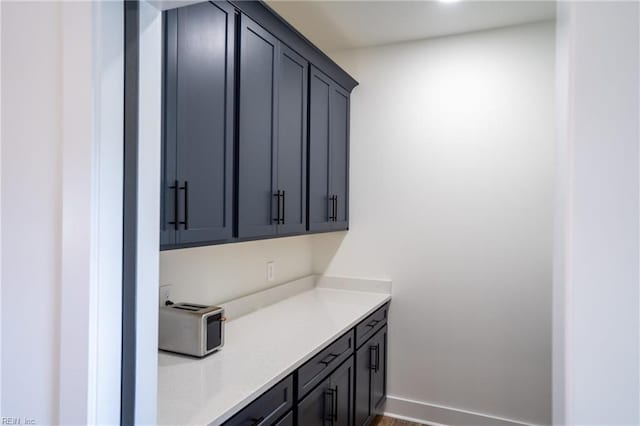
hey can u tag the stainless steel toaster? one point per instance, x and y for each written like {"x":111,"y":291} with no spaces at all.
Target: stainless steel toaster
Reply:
{"x":191,"y":329}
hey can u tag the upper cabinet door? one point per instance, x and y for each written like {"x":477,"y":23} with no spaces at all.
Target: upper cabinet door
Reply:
{"x":320,"y":205}
{"x":292,"y":141}
{"x":258,"y":200}
{"x":328,"y":154}
{"x":340,"y":157}
{"x":200,"y":83}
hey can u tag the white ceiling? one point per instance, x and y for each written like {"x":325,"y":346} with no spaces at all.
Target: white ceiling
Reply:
{"x":337,"y":25}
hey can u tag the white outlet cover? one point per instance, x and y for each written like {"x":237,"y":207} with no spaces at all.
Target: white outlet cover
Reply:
{"x":271,"y":271}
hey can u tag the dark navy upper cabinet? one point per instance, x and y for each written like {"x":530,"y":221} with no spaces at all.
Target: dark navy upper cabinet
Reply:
{"x":339,"y":149}
{"x":255,"y":137}
{"x":328,"y":154}
{"x":272,"y":136}
{"x":197,"y":184}
{"x":258,"y":200}
{"x":292,"y":141}
{"x":320,"y":206}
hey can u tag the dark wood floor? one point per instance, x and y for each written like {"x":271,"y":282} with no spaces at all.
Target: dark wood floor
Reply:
{"x":388,"y":421}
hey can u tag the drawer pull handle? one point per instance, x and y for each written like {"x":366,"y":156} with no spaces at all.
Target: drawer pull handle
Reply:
{"x":373,"y":323}
{"x":256,"y":421}
{"x":329,"y":359}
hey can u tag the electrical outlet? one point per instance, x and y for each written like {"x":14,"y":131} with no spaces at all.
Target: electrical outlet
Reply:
{"x":165,"y":294}
{"x":271,"y":271}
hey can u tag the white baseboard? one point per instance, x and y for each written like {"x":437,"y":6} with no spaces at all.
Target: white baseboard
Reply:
{"x":438,"y":415}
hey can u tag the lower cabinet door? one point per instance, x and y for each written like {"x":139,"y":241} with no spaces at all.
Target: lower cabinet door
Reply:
{"x":314,"y":410}
{"x":363,"y":384}
{"x":371,"y":378}
{"x":379,"y":371}
{"x":341,"y":390}
{"x":331,"y":402}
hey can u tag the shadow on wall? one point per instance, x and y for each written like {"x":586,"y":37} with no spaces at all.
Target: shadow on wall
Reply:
{"x":325,"y":249}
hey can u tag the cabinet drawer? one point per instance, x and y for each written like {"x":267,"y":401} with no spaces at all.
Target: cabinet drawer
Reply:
{"x":370,"y":325}
{"x":321,"y":365}
{"x":270,"y":406}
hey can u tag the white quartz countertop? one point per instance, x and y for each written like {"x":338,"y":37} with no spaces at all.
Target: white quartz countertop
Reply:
{"x":260,"y":349}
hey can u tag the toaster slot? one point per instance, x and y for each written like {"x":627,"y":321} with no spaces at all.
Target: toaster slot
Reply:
{"x":194,"y":306}
{"x":214,"y":331}
{"x":185,"y":308}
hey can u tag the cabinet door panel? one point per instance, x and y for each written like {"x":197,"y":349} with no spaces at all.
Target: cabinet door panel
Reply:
{"x":363,"y":386}
{"x":257,"y":164}
{"x":319,"y":140}
{"x":342,"y":385}
{"x":204,"y":138}
{"x":292,"y":139}
{"x":313,"y":410}
{"x":340,"y":155}
{"x":198,"y":124}
{"x":379,"y":375}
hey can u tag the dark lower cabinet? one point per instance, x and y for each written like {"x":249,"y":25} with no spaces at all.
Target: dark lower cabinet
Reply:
{"x":328,"y":154}
{"x":379,"y":372}
{"x":197,"y":154}
{"x":339,"y":386}
{"x":331,"y":402}
{"x":371,"y":378}
{"x":342,"y":386}
{"x":314,"y":410}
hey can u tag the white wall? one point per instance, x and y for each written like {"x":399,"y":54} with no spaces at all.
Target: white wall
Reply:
{"x":216,"y":274}
{"x":31,"y":209}
{"x":452,"y":165}
{"x":148,"y":218}
{"x":61,"y":182}
{"x":597,"y":317}
{"x":109,"y":80}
